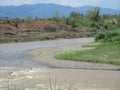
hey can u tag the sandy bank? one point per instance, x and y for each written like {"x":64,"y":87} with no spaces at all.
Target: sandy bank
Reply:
{"x":46,"y":55}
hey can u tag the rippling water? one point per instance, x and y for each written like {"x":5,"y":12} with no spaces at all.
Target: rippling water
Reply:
{"x":13,"y":54}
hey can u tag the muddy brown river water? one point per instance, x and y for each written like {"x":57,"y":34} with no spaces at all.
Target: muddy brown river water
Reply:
{"x":14,"y":54}
{"x":20,"y":71}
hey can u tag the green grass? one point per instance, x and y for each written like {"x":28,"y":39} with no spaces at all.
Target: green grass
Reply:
{"x":26,"y":39}
{"x":104,"y":53}
{"x":118,"y":69}
{"x":91,"y":45}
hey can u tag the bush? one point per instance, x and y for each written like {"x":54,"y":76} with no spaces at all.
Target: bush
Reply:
{"x":51,"y":28}
{"x":115,"y":40}
{"x":110,"y":36}
{"x":99,"y":36}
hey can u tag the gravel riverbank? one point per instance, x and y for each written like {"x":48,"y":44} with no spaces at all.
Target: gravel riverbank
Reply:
{"x":46,"y":55}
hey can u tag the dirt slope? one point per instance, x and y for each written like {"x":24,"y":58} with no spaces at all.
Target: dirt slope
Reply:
{"x":19,"y":27}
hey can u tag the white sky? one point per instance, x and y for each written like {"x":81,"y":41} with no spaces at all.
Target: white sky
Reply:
{"x":114,"y":4}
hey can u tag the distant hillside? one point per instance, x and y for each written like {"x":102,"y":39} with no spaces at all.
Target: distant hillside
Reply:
{"x":46,"y":10}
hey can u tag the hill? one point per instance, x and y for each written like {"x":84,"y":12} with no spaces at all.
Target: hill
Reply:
{"x":46,"y":10}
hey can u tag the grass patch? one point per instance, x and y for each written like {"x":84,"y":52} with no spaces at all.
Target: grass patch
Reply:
{"x":91,"y":45}
{"x":26,"y":39}
{"x":118,"y":69}
{"x":104,"y":53}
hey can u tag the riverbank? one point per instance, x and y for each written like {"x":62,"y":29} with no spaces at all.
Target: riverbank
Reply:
{"x":47,"y":55}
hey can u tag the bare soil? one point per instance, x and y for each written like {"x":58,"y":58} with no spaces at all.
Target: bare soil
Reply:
{"x":20,"y":30}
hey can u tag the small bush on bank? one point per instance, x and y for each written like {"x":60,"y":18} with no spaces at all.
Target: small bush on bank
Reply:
{"x":110,"y":36}
{"x":51,"y":28}
{"x":99,"y":36}
{"x":115,"y":40}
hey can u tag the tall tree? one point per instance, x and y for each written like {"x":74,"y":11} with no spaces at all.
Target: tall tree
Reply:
{"x":56,"y":17}
{"x":94,"y":14}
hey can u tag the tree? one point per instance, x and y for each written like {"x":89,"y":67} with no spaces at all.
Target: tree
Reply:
{"x":75,"y":20}
{"x":56,"y":17}
{"x":28,"y":18}
{"x":94,"y":14}
{"x":36,"y":18}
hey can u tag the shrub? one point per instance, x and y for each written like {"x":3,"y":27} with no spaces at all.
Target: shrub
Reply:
{"x":115,"y":40}
{"x":110,"y":36}
{"x":99,"y":36}
{"x":51,"y":28}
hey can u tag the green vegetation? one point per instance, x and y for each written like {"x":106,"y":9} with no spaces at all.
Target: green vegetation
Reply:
{"x":76,"y":24}
{"x":103,"y":53}
{"x":107,"y":52}
{"x":112,"y":36}
{"x":28,"y":18}
{"x":49,"y":28}
{"x":92,"y":22}
{"x":25,"y":39}
{"x":91,"y":45}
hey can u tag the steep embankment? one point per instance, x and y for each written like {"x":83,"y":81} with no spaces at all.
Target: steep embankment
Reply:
{"x":19,"y":30}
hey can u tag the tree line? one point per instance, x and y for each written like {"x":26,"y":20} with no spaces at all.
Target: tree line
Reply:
{"x":91,"y":20}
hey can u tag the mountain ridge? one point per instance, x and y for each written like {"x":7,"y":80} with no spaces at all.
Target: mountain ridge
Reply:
{"x":47,"y":10}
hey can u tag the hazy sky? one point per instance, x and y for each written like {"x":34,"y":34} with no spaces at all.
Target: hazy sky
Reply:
{"x":114,"y":4}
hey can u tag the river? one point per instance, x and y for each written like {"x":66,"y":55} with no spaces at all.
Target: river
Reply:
{"x":14,"y":54}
